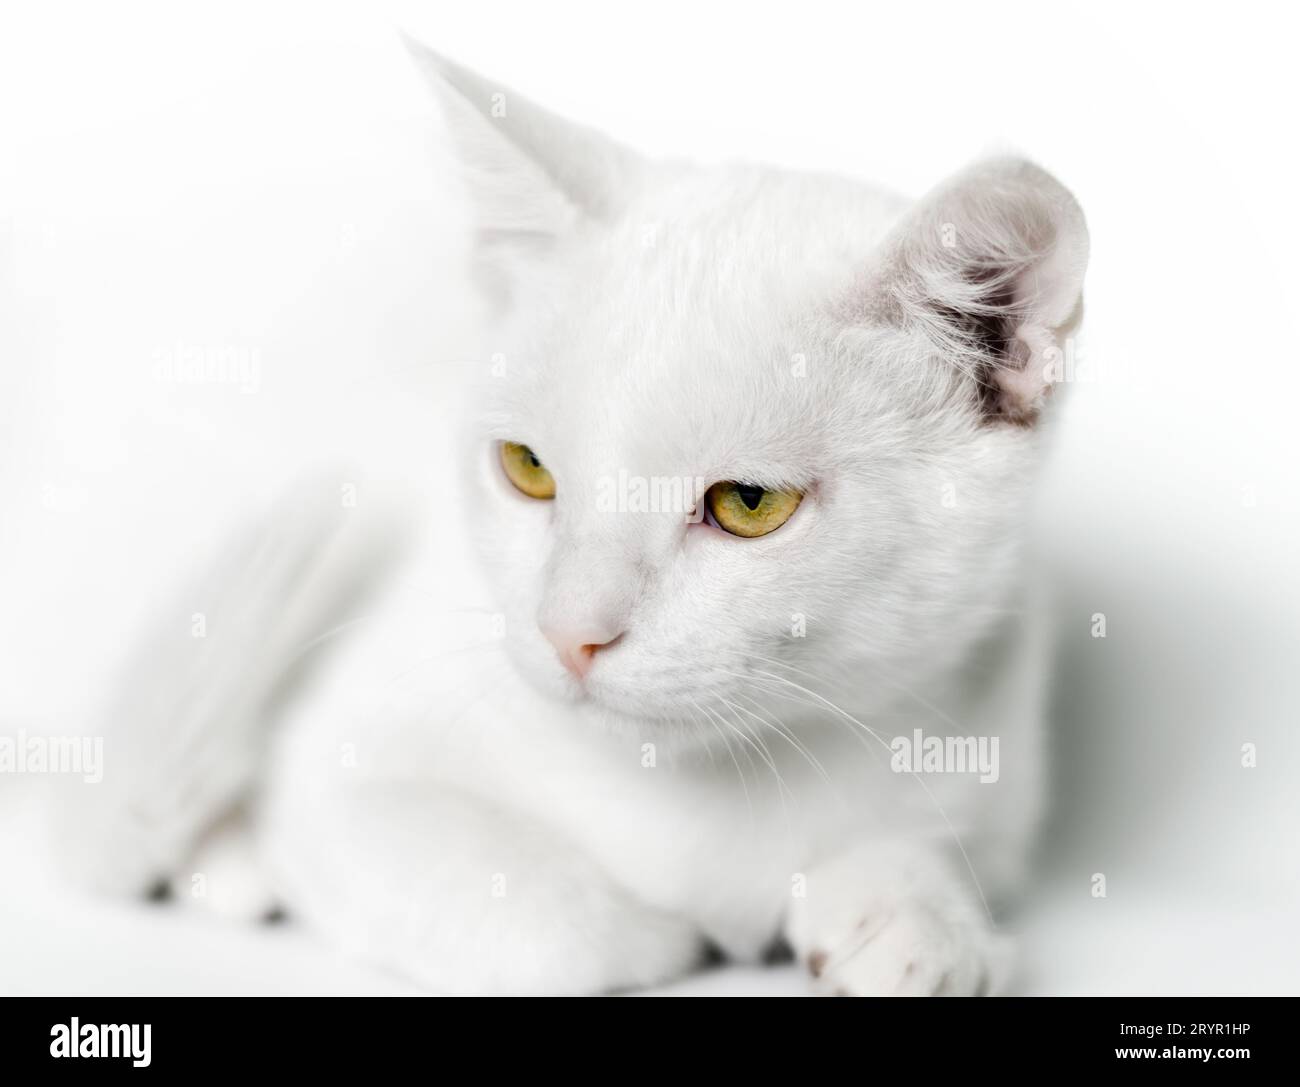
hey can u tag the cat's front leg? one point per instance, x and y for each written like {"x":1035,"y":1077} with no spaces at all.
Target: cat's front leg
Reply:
{"x":464,"y":896}
{"x":896,"y":918}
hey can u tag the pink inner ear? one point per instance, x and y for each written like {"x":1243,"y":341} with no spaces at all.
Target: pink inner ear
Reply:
{"x":1024,"y":382}
{"x":1048,"y":295}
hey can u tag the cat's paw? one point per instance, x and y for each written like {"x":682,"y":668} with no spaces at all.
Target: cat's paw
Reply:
{"x":875,"y":924}
{"x":225,"y":877}
{"x":907,"y":949}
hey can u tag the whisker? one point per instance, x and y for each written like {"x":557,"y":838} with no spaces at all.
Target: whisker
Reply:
{"x":756,"y":741}
{"x":915,"y":776}
{"x":734,"y":760}
{"x":784,"y":733}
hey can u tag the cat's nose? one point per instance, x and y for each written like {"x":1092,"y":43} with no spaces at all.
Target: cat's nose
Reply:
{"x":577,"y":646}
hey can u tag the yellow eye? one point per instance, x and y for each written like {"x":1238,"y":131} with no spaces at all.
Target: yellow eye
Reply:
{"x":526,"y":472}
{"x":745,"y":510}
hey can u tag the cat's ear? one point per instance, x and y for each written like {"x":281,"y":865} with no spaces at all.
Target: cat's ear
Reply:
{"x":532,"y":177}
{"x":990,"y":268}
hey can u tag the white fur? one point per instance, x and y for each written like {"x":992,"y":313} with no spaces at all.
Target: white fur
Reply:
{"x":444,"y":798}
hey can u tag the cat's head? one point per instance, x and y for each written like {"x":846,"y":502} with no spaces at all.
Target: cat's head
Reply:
{"x":746,"y":428}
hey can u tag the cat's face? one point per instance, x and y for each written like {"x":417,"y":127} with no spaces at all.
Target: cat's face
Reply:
{"x":770,"y":336}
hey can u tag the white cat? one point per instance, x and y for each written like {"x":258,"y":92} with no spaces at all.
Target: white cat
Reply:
{"x":745,"y":482}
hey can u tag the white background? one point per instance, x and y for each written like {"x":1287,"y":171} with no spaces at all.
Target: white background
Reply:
{"x":273,"y":178}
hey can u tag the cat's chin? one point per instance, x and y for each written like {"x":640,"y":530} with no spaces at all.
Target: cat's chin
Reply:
{"x":607,"y":708}
{"x":613,"y":706}
{"x":669,"y":728}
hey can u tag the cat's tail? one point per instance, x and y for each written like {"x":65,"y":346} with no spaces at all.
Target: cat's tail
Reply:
{"x":184,"y":734}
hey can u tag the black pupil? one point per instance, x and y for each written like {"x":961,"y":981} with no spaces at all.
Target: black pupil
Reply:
{"x":532,"y":459}
{"x":750,"y":495}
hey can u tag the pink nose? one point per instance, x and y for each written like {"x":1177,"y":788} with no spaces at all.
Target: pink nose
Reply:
{"x":577,"y":647}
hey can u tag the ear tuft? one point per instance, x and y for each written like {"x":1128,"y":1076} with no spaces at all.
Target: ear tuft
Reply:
{"x":990,"y":267}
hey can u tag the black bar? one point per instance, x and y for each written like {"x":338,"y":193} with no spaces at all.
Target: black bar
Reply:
{"x":214,"y":1035}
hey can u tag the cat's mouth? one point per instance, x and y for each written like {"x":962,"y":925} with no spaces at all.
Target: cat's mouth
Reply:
{"x":608,"y":677}
{"x":653,"y":692}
